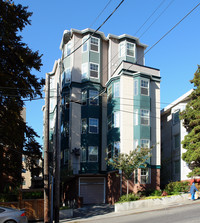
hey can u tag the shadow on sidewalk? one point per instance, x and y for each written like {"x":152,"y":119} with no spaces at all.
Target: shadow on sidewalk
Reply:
{"x":88,"y":211}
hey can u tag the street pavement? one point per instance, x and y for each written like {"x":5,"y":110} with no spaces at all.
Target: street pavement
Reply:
{"x":93,"y":212}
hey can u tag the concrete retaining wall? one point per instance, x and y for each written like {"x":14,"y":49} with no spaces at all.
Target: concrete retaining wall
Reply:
{"x":126,"y":206}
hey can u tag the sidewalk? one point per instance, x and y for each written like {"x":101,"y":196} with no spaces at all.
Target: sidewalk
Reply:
{"x":92,"y":212}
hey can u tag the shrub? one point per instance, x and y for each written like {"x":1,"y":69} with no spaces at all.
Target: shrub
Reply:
{"x":177,"y":187}
{"x":129,"y":197}
{"x":156,"y":193}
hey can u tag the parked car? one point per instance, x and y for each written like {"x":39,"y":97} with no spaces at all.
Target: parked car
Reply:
{"x":11,"y":215}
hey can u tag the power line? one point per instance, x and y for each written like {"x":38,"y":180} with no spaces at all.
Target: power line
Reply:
{"x":149,"y":17}
{"x":165,"y":35}
{"x":156,"y":19}
{"x":95,"y":30}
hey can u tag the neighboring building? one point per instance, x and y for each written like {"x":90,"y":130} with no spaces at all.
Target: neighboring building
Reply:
{"x":172,"y":133}
{"x":110,"y":104}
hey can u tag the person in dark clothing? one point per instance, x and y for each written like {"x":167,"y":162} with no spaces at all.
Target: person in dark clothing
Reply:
{"x":193,"y":189}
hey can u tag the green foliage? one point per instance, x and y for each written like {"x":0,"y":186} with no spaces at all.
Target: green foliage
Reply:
{"x":33,"y":195}
{"x":127,"y":163}
{"x":191,"y":121}
{"x":177,"y":187}
{"x":17,"y":82}
{"x":129,"y":197}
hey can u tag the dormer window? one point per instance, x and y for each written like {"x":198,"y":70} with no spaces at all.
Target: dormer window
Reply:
{"x":126,"y":49}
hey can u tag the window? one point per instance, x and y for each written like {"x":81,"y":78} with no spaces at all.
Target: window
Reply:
{"x":175,"y":116}
{"x":66,"y":128}
{"x":94,"y":97}
{"x":109,"y":93}
{"x":116,"y":119}
{"x":94,"y":44}
{"x":67,"y":75}
{"x":93,"y":125}
{"x":116,"y":90}
{"x":116,"y":149}
{"x":67,"y":100}
{"x":67,"y":50}
{"x":122,"y":49}
{"x":135,"y":143}
{"x":135,"y":176}
{"x":144,"y":176}
{"x":84,"y":71}
{"x":144,"y":87}
{"x":94,"y":70}
{"x":85,"y":44}
{"x":135,"y":87}
{"x":93,"y":154}
{"x":144,"y":117}
{"x":130,"y":49}
{"x":135,"y":116}
{"x":83,"y":155}
{"x":84,"y":97}
{"x":109,"y":122}
{"x":145,"y":143}
{"x":126,"y":49}
{"x":84,"y":126}
{"x":177,"y":141}
{"x":109,"y":154}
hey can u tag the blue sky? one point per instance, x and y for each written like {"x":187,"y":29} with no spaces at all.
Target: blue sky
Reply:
{"x":177,"y":55}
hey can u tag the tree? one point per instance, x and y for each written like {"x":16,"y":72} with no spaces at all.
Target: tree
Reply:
{"x":191,"y":121}
{"x":17,"y":83}
{"x":128,"y":163}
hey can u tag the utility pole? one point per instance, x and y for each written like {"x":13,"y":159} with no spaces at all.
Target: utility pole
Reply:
{"x":57,"y":158}
{"x":46,"y":152}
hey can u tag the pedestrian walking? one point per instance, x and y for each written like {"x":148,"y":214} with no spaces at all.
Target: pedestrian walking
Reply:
{"x":193,"y":189}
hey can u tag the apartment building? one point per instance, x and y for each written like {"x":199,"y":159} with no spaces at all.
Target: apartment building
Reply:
{"x":172,"y":133}
{"x":110,"y":104}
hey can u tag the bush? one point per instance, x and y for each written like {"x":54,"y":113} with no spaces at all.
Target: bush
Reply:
{"x":174,"y":188}
{"x":130,"y":197}
{"x":156,"y":193}
{"x":33,"y":195}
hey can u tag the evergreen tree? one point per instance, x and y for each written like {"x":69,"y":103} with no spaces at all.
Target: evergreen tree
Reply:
{"x":191,"y":121}
{"x":17,"y":82}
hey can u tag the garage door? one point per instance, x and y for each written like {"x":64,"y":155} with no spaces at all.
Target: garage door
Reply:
{"x":92,"y":190}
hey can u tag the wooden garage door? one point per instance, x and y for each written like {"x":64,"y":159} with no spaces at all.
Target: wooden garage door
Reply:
{"x":92,"y":190}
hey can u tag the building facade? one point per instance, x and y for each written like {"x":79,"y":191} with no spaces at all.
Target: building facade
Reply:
{"x":172,"y":133}
{"x":109,"y":104}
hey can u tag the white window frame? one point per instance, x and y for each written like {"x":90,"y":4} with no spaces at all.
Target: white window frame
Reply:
{"x":145,"y":143}
{"x":144,"y":115}
{"x":89,"y":154}
{"x":85,"y":44}
{"x":123,"y":49}
{"x":84,"y":97}
{"x":84,"y":71}
{"x":94,"y":44}
{"x":175,"y":117}
{"x":144,"y":87}
{"x":146,"y":175}
{"x":116,"y":149}
{"x":67,"y":75}
{"x":116,"y":119}
{"x":94,"y":125}
{"x":116,"y":90}
{"x":93,"y":97}
{"x":67,"y":49}
{"x":94,"y":70}
{"x":135,"y":115}
{"x":135,"y":87}
{"x":83,"y":125}
{"x":135,"y":144}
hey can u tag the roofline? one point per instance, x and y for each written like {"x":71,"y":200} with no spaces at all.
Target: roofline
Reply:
{"x":177,"y":101}
{"x":69,"y":34}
